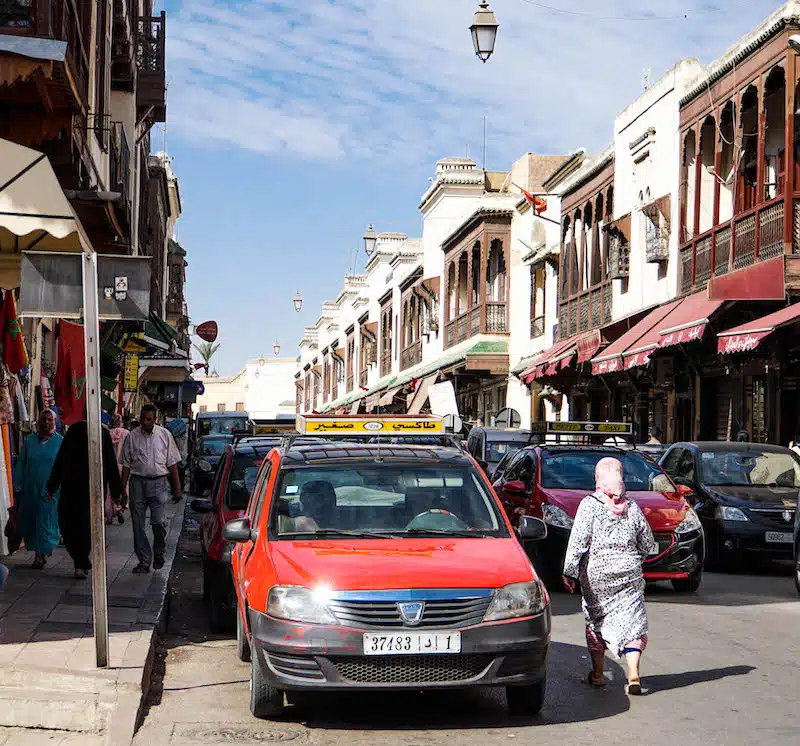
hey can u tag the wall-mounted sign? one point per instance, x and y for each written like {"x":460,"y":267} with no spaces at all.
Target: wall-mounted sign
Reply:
{"x":208,"y":331}
{"x":131,"y":377}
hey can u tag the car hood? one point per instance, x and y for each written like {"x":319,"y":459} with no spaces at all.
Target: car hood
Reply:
{"x":780,"y":496}
{"x":388,"y":564}
{"x":664,"y":511}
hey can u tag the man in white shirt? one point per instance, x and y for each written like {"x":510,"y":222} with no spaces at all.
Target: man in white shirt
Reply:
{"x":150,"y":461}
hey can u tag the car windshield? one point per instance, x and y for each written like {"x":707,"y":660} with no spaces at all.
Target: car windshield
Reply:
{"x":380,"y":500}
{"x":220,"y":425}
{"x":214,"y":446}
{"x":497,"y":449}
{"x":574,"y":470}
{"x":244,"y":471}
{"x":749,"y":468}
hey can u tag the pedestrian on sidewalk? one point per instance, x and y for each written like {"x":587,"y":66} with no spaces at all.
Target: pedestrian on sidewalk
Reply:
{"x":71,"y":474}
{"x":610,"y":540}
{"x":118,"y":436}
{"x":150,"y":461}
{"x":37,"y":509}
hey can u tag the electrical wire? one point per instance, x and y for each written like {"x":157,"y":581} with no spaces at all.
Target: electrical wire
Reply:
{"x":643,"y":17}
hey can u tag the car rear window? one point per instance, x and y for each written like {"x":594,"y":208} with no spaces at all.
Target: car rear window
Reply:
{"x":574,"y":470}
{"x":244,"y":471}
{"x":214,"y":447}
{"x":496,"y":450}
{"x":749,"y":467}
{"x":394,"y":499}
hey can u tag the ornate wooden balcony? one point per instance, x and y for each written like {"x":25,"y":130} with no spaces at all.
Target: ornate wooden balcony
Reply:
{"x":411,"y":355}
{"x":151,"y":88}
{"x":473,"y":322}
{"x":123,"y":46}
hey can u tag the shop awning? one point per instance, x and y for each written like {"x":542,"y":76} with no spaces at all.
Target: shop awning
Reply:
{"x":747,"y":337}
{"x":388,"y":397}
{"x":420,"y":396}
{"x":687,"y":323}
{"x":561,"y":355}
{"x":355,"y":407}
{"x":35,"y":214}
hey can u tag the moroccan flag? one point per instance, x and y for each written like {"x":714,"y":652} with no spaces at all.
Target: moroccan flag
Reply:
{"x":70,"y":383}
{"x":537,"y":203}
{"x":15,"y":356}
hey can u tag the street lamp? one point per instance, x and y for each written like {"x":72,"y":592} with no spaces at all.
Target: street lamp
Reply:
{"x":276,"y":348}
{"x":370,"y":240}
{"x":484,"y":31}
{"x":298,"y":302}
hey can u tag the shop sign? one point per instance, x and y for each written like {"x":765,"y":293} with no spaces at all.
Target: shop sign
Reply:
{"x":740,"y":342}
{"x":689,"y":334}
{"x":606,"y":366}
{"x":131,"y":377}
{"x":637,"y":360}
{"x":132,"y":346}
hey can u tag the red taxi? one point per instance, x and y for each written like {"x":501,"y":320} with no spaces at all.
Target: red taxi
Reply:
{"x":384,"y":565}
{"x":549,"y":480}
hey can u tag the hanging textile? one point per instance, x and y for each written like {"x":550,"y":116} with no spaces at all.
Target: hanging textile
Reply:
{"x":6,"y":400}
{"x":9,"y":461}
{"x":19,"y":398}
{"x":15,"y":355}
{"x":70,"y":383}
{"x":5,"y":503}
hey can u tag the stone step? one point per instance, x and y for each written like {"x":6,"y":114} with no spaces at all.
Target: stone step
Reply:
{"x":53,"y":709}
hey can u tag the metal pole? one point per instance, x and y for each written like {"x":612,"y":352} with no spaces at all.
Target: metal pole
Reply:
{"x":91,"y":331}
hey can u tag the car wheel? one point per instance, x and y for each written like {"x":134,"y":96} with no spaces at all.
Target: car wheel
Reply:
{"x":265,"y":701}
{"x":242,"y":645}
{"x":690,"y":584}
{"x":526,"y":700}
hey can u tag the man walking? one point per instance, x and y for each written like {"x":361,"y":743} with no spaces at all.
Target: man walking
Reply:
{"x":150,"y":461}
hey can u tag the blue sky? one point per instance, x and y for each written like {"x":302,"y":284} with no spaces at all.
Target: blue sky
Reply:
{"x":292,"y":125}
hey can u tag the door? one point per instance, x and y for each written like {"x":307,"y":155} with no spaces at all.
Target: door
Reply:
{"x":517,"y":503}
{"x":210,"y":527}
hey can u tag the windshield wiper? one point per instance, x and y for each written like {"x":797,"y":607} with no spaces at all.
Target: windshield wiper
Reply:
{"x":326,"y":532}
{"x":477,"y":533}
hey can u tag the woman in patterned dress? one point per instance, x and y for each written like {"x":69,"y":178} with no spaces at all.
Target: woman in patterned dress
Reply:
{"x":609,"y":541}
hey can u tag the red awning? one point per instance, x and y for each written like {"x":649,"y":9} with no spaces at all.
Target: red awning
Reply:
{"x":747,"y":337}
{"x":688,"y":322}
{"x":612,"y":358}
{"x":562,"y":354}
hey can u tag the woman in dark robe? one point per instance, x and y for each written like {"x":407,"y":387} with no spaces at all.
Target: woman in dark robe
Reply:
{"x":71,"y":474}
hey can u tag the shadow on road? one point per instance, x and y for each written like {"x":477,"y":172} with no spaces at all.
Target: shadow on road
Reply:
{"x":666,"y":682}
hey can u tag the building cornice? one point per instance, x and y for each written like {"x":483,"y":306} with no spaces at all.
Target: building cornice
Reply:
{"x":480,"y":215}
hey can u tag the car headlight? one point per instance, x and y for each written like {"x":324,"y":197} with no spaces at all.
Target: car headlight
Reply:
{"x":690,"y":523}
{"x":204,"y":465}
{"x":298,"y":604}
{"x":557,"y":517}
{"x":516,"y":600}
{"x":729,"y":513}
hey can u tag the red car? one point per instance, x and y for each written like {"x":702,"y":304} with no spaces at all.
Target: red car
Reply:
{"x":549,"y":481}
{"x":227,"y":501}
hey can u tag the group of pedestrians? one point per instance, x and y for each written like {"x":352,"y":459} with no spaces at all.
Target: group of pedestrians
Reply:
{"x":51,"y":483}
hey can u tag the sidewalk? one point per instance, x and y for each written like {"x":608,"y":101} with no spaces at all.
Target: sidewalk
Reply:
{"x":48,"y":678}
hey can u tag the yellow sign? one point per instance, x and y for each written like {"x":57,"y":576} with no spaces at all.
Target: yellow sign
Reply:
{"x":584,"y":428}
{"x":131,"y":377}
{"x":273,"y":429}
{"x":132,"y":347}
{"x":369,"y":425}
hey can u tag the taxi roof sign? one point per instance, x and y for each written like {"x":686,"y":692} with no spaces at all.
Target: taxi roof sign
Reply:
{"x":610,"y":429}
{"x":394,"y":425}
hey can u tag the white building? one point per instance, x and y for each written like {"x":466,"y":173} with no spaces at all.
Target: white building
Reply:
{"x":264,"y":388}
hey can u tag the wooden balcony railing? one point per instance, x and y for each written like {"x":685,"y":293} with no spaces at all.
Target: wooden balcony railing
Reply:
{"x":468,"y":324}
{"x":586,"y":311}
{"x":411,"y":355}
{"x":349,"y":384}
{"x":123,"y":59}
{"x":120,"y":167}
{"x":537,"y":327}
{"x":363,"y":378}
{"x":151,"y":49}
{"x":751,"y":237}
{"x":386,"y":364}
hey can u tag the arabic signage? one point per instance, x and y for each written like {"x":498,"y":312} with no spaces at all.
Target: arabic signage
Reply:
{"x":607,"y":366}
{"x":369,"y":426}
{"x":131,"y":376}
{"x":680,"y":336}
{"x":740,"y":342}
{"x":583,"y":428}
{"x":640,"y":358}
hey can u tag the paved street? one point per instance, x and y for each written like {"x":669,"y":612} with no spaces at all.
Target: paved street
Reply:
{"x":721,"y":669}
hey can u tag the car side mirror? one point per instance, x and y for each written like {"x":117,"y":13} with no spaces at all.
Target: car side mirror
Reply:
{"x":531,"y":529}
{"x":239,"y":531}
{"x":516,"y":486}
{"x":203,"y":505}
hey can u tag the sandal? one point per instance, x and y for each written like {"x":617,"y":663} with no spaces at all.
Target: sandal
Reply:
{"x":634,"y":688}
{"x":38,"y":564}
{"x":590,"y":680}
{"x":141,"y":569}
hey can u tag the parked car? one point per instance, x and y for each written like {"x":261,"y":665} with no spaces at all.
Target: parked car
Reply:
{"x":745,"y":495}
{"x":360,"y":567}
{"x":204,"y":462}
{"x":653,"y":451}
{"x":797,"y":549}
{"x":220,"y":423}
{"x":227,"y":500}
{"x":489,"y":445}
{"x":550,"y":480}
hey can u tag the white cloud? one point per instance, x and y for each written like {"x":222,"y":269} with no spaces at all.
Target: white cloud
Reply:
{"x":396,"y":80}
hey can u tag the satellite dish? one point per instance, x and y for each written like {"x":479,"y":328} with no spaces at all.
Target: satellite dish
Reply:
{"x":508,"y":418}
{"x":453,"y":423}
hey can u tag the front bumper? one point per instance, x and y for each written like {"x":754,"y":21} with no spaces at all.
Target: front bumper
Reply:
{"x":730,"y":537}
{"x":297,"y":656}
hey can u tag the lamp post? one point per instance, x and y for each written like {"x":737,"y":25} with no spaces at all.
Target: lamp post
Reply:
{"x":298,"y":302}
{"x":484,"y":31}
{"x":276,"y":348}
{"x":370,"y":240}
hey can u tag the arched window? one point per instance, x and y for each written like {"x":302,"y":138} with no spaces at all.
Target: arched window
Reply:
{"x":574,"y":260}
{"x":463,"y":297}
{"x":451,"y":292}
{"x":587,"y":245}
{"x":688,"y":184}
{"x":566,"y":239}
{"x":775,"y":133}
{"x":727,"y":177}
{"x":595,"y":263}
{"x":708,"y":137}
{"x":475,"y":298}
{"x":496,"y":273}
{"x":610,"y":203}
{"x":747,"y":176}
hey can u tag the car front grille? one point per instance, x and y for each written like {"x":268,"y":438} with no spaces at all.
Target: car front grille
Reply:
{"x":369,"y":614}
{"x":411,"y":669}
{"x":774,"y":517}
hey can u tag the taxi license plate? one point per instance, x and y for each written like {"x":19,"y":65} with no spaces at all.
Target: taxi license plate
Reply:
{"x":412,"y":643}
{"x":779,"y":537}
{"x":655,"y":551}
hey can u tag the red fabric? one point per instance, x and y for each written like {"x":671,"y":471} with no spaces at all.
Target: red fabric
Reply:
{"x":70,"y":382}
{"x":687,"y":322}
{"x":748,"y":336}
{"x":15,"y":356}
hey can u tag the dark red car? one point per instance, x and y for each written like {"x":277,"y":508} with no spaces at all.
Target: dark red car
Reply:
{"x":549,"y":481}
{"x":227,"y":501}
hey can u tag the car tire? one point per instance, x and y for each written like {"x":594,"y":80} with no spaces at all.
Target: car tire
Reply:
{"x":690,"y":584}
{"x":266,"y":701}
{"x":526,"y":700}
{"x":242,"y":645}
